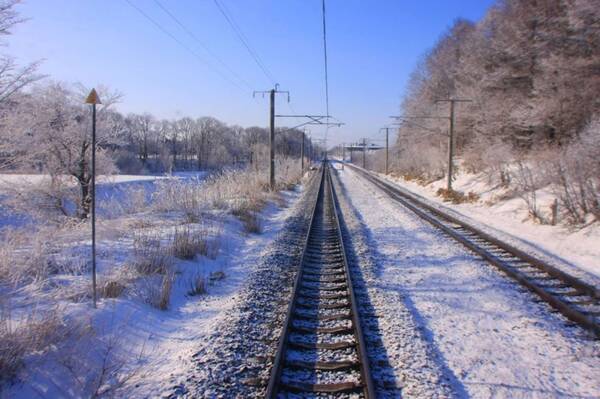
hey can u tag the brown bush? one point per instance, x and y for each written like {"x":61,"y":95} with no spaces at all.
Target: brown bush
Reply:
{"x":457,"y":197}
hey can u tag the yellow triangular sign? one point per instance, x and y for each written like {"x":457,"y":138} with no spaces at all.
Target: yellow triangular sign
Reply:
{"x":93,"y":98}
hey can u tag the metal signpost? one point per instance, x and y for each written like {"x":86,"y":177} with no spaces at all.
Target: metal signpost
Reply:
{"x":93,"y":99}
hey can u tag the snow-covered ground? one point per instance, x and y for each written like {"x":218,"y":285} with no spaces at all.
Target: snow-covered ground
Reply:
{"x":488,"y":336}
{"x":508,"y":217}
{"x":144,"y":349}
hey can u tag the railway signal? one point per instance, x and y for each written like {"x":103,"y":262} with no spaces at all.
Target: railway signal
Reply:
{"x":93,"y":99}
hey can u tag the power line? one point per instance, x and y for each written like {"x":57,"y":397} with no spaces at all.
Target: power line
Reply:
{"x":326,"y":70}
{"x":236,"y":29}
{"x":166,"y":32}
{"x":201,"y":43}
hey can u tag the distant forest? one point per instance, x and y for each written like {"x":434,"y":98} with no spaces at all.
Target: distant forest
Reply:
{"x":46,"y":128}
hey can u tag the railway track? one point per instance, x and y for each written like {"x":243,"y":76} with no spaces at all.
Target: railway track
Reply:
{"x":578,"y":301}
{"x":321,"y":350}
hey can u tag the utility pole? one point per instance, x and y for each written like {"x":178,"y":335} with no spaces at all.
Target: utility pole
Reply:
{"x":302,"y":152}
{"x":452,"y":102}
{"x":93,"y":99}
{"x":387,"y":146}
{"x":272,"y":141}
{"x":272,"y":93}
{"x":364,"y":153}
{"x":343,"y":154}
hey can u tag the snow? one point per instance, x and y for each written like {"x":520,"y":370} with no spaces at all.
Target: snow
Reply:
{"x":576,"y":251}
{"x":153,"y":347}
{"x":487,"y":336}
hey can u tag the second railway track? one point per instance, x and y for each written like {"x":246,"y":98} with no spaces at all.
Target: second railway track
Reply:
{"x":321,"y":350}
{"x":575,"y":299}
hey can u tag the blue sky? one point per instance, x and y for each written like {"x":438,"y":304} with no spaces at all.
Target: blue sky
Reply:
{"x":373,"y":46}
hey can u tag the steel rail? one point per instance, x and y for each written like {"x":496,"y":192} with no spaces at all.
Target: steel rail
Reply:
{"x":333,"y":270}
{"x":278,"y":362}
{"x":365,"y":370}
{"x":571,"y":303}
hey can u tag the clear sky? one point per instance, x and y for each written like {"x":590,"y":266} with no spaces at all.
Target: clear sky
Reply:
{"x":373,"y":46}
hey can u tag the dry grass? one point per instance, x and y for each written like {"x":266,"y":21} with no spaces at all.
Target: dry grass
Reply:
{"x":156,"y":290}
{"x":26,"y":256}
{"x":250,"y":220}
{"x":198,"y":285}
{"x":112,"y":289}
{"x":234,"y":190}
{"x":150,"y":255}
{"x":457,"y":197}
{"x":30,"y":334}
{"x":186,"y":243}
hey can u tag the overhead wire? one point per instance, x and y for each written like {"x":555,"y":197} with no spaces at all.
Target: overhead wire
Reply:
{"x":238,"y":32}
{"x":183,"y":45}
{"x":326,"y":69}
{"x":202,"y":44}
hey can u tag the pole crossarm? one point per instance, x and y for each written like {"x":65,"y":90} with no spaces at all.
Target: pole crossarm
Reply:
{"x":276,"y":90}
{"x":418,"y":117}
{"x":456,"y":100}
{"x":313,"y":120}
{"x":420,"y":126}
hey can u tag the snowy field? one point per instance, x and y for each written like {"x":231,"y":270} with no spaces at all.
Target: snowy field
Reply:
{"x":487,"y":336}
{"x":128,"y":348}
{"x":576,"y":250}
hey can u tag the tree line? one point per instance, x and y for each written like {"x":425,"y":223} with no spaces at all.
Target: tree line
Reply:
{"x":45,"y":128}
{"x":531,"y":70}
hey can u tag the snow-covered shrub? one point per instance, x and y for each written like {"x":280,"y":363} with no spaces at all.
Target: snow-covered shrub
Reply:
{"x":528,"y":178}
{"x":97,"y":364}
{"x":179,"y":196}
{"x":25,"y":257}
{"x":186,"y":244}
{"x":50,"y":199}
{"x":251,"y":220}
{"x":155,"y":290}
{"x":29,"y":334}
{"x":576,"y":174}
{"x":150,"y":255}
{"x":491,"y":156}
{"x":424,"y":162}
{"x":287,"y":173}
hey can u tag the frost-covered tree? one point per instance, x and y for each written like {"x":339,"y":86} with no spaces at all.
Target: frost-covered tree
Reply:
{"x":531,"y":71}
